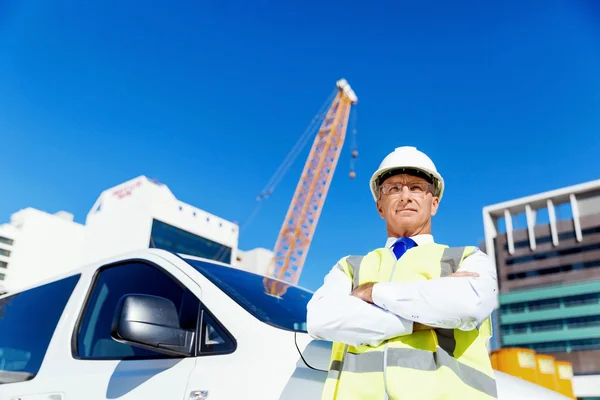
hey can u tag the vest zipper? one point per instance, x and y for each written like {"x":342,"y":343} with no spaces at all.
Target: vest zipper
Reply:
{"x":385,"y":349}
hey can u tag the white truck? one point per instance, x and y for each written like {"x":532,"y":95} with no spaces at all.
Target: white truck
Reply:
{"x":157,"y":325}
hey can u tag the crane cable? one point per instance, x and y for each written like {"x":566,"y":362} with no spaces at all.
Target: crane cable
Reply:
{"x":354,"y":144}
{"x":298,"y":147}
{"x":276,"y":178}
{"x":284,"y":167}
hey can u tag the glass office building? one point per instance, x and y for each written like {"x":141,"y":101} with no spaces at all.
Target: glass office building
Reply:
{"x":167,"y":237}
{"x":547,"y":253}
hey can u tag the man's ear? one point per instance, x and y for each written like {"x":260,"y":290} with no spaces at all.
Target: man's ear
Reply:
{"x":435,"y":202}
{"x":379,"y":209}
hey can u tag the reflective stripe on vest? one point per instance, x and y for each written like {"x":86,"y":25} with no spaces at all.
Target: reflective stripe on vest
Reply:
{"x":451,"y":260}
{"x":354,"y":263}
{"x":416,"y":359}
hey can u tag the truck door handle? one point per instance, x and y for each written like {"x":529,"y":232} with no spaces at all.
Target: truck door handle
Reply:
{"x":45,"y":396}
{"x":199,"y":395}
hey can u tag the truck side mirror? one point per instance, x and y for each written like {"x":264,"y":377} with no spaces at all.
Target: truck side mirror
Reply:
{"x":152,"y":323}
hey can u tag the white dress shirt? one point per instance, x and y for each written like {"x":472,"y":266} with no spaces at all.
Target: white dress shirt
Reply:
{"x":450,"y":302}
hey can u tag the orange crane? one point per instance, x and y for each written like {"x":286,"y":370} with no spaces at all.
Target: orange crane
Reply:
{"x":303,"y":214}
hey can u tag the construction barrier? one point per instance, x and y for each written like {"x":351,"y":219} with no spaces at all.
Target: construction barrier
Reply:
{"x":564,"y":372}
{"x":546,"y":366}
{"x":516,"y":362}
{"x":541,"y":369}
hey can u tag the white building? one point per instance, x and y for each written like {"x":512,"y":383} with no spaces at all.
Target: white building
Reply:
{"x":255,"y":260}
{"x":137,"y":214}
{"x":7,"y":239}
{"x":36,"y":244}
{"x":7,"y":234}
{"x":142,"y":213}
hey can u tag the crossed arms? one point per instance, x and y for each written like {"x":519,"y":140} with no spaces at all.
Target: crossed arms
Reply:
{"x":374,"y":313}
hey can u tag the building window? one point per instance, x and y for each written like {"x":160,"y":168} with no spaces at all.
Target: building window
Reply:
{"x":4,"y":253}
{"x":572,"y":323}
{"x":552,"y":254}
{"x":553,"y":270}
{"x":582,"y":300}
{"x":3,"y":264}
{"x":2,"y":276}
{"x":551,"y":304}
{"x":565,"y":345}
{"x":170,"y":238}
{"x":6,"y":240}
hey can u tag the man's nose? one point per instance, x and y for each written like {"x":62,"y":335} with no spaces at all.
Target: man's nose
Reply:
{"x":405,"y":194}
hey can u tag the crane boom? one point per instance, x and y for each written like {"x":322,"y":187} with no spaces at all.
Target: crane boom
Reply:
{"x":303,"y":214}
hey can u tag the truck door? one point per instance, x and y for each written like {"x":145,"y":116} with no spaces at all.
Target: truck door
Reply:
{"x":102,"y":367}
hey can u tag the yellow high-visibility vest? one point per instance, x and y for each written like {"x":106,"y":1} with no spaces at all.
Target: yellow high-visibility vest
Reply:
{"x":429,"y":364}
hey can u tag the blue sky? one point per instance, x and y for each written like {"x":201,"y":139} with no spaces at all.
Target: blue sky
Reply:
{"x":209,"y":97}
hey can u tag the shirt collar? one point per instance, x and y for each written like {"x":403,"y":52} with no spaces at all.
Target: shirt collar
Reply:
{"x":419,"y":239}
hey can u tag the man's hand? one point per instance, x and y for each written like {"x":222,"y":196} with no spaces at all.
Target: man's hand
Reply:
{"x":420,"y":327}
{"x":364,"y":292}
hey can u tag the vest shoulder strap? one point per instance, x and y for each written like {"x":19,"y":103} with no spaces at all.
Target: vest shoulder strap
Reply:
{"x":453,"y":257}
{"x":351,"y":265}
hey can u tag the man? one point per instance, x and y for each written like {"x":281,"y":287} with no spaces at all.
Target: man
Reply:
{"x":410,"y":320}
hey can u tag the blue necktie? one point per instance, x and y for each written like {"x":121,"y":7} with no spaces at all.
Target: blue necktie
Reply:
{"x":402,"y":245}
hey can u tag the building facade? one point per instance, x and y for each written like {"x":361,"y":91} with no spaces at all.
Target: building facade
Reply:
{"x":549,"y":277}
{"x":140,"y":213}
{"x":143,"y":213}
{"x":35,"y":244}
{"x":7,"y":241}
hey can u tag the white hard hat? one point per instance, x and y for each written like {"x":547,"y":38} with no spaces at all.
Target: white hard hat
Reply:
{"x":407,"y":158}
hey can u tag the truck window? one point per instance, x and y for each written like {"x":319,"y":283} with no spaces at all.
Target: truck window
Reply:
{"x":215,"y":338}
{"x":27,"y":323}
{"x":248,"y":290}
{"x":94,"y":341}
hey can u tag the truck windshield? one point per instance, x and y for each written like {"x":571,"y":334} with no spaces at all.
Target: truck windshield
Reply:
{"x":286,"y":311}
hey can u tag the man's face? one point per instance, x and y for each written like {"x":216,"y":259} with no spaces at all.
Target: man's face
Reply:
{"x":407,"y":204}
